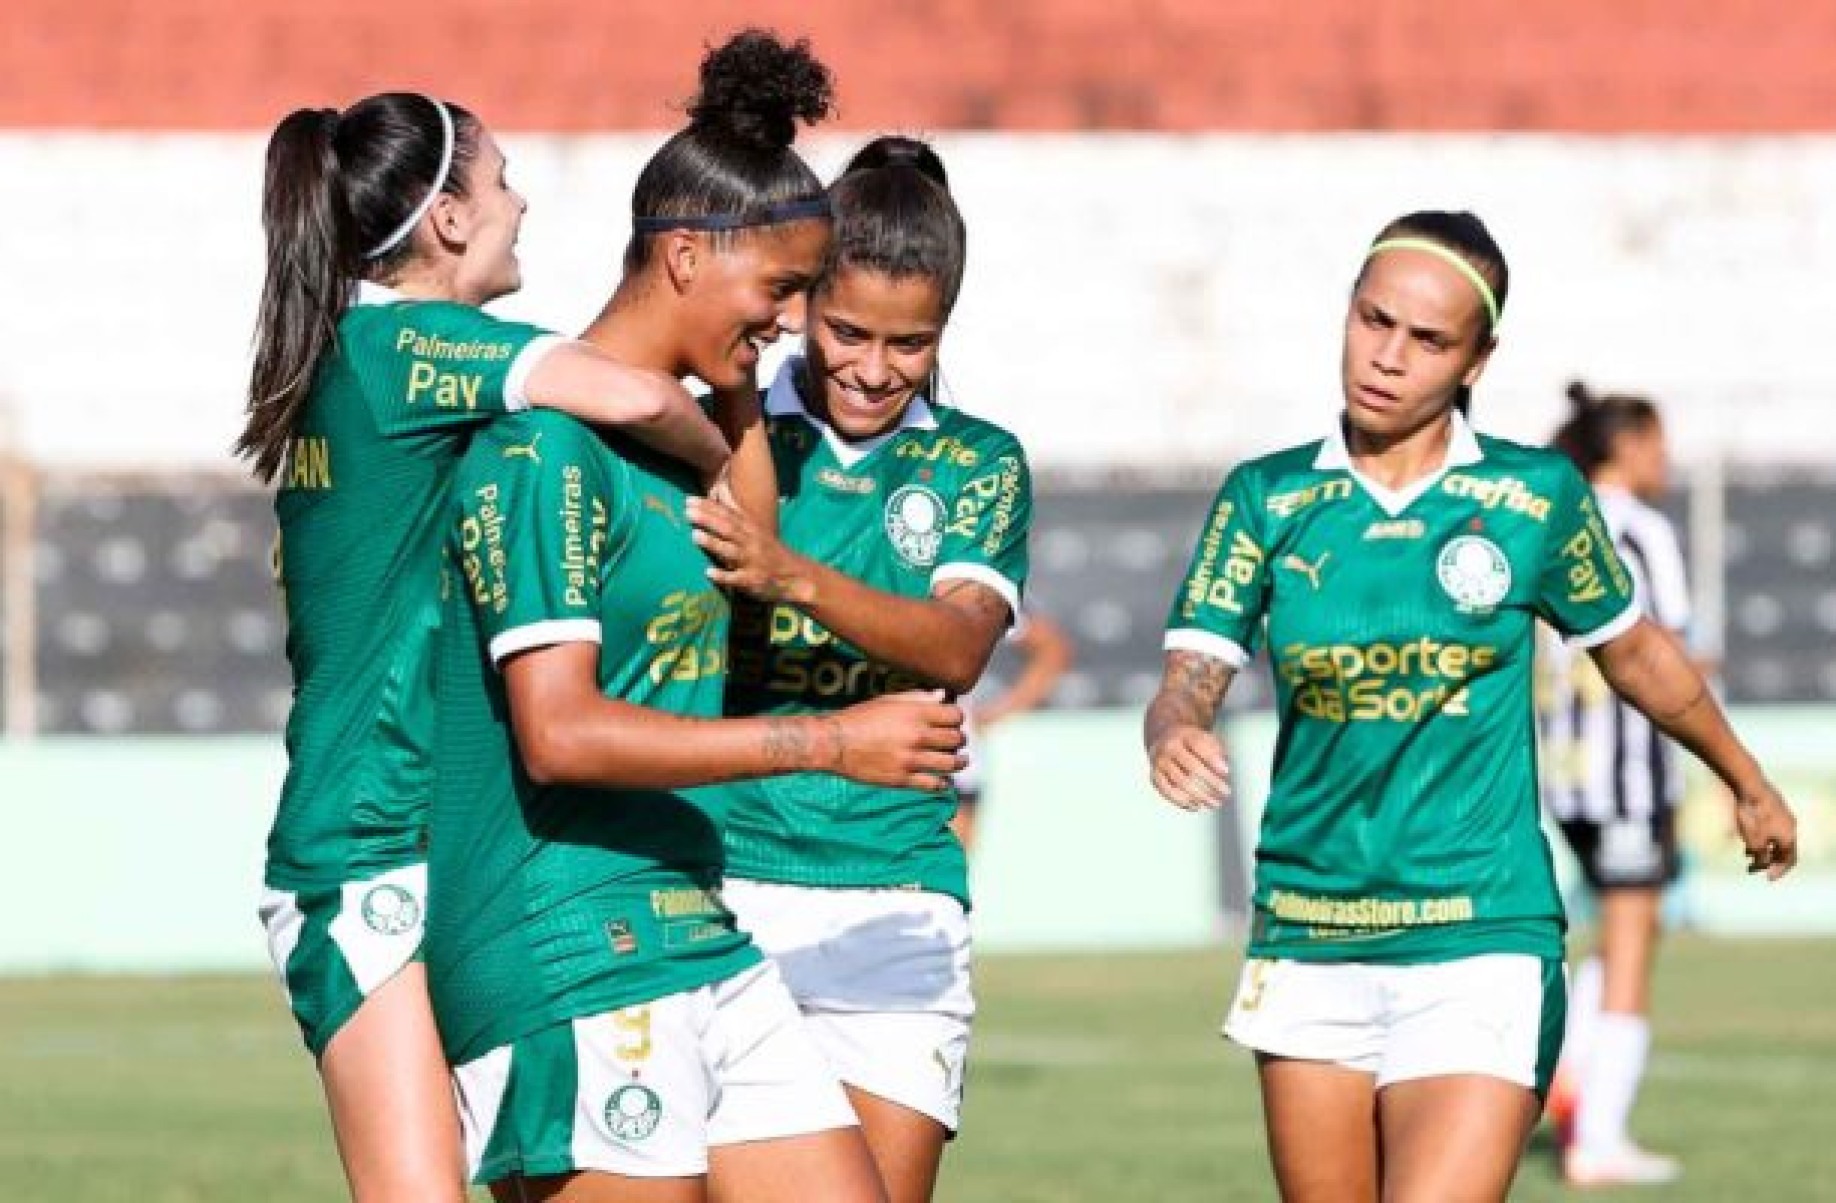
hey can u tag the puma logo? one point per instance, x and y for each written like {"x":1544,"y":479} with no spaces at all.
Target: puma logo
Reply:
{"x":1311,"y":571}
{"x":526,"y":450}
{"x":658,"y":505}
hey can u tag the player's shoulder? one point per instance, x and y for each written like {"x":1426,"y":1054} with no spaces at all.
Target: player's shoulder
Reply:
{"x":536,"y":436}
{"x":972,"y":430}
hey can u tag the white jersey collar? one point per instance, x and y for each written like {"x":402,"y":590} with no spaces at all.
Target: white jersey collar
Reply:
{"x":1463,"y":451}
{"x":782,"y":400}
{"x":369,"y":292}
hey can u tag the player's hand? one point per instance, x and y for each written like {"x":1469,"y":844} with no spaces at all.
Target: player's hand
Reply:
{"x":904,"y":740}
{"x":746,"y":556}
{"x":1768,"y":829}
{"x":1188,"y":769}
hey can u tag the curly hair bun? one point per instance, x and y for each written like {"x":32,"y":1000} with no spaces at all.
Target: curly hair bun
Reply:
{"x":755,"y":89}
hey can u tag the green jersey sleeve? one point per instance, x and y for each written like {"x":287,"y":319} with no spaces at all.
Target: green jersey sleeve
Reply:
{"x":1583,"y":589}
{"x":435,"y":365}
{"x":1222,"y":600}
{"x":985,"y":538}
{"x":535,"y":506}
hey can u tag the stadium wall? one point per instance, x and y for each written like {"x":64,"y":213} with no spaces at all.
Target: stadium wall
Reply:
{"x":1159,"y":302}
{"x":144,"y":855}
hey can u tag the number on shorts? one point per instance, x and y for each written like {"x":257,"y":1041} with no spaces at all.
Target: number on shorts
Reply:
{"x":1255,"y":981}
{"x":633,"y":1024}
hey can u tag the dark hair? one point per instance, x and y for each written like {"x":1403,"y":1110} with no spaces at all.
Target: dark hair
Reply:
{"x":1595,"y":423}
{"x":337,"y":186}
{"x":894,"y":215}
{"x":735,"y":158}
{"x":1465,"y":235}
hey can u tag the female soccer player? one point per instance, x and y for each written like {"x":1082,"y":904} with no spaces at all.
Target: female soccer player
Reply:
{"x":1613,"y":783}
{"x":1404,"y":988}
{"x":616,"y":1037}
{"x":903,"y":556}
{"x":387,"y":226}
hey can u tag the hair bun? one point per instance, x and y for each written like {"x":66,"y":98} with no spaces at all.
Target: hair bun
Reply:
{"x":1579,"y":395}
{"x":897,"y":150}
{"x":755,"y":89}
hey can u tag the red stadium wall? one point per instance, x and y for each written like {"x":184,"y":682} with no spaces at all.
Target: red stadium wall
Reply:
{"x":1622,"y":66}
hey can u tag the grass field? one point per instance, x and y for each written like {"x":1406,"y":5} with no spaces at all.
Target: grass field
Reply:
{"x":1094,"y":1078}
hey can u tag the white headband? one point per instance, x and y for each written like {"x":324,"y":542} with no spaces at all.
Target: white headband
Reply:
{"x":439,"y":185}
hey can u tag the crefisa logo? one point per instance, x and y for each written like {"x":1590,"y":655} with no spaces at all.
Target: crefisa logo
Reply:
{"x":1474,"y":572}
{"x":915,"y":524}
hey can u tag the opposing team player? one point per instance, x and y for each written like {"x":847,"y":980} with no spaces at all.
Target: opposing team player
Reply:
{"x":1612,"y":781}
{"x":387,"y":226}
{"x":1404,"y":990}
{"x":616,"y":1037}
{"x":902,"y":560}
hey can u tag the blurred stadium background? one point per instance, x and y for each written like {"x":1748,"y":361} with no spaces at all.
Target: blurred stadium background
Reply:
{"x":1167,"y":201}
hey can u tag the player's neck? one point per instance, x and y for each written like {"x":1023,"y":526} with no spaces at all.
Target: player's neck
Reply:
{"x":634,"y":333}
{"x":1398,"y":461}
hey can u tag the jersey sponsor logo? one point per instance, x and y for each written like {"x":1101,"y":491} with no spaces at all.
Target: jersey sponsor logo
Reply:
{"x":1001,"y":489}
{"x":1294,"y":563}
{"x":915,"y":524}
{"x":389,"y":910}
{"x":531,"y":451}
{"x":624,"y":941}
{"x":1313,"y":910}
{"x":1587,"y":553}
{"x":584,"y":530}
{"x":1286,"y":505}
{"x":449,"y":390}
{"x":802,"y":659}
{"x":633,"y":1112}
{"x":1382,"y":682}
{"x":1473,"y":571}
{"x":687,"y":635}
{"x":432,"y":346}
{"x":309,"y":463}
{"x":481,"y":549}
{"x":948,"y":450}
{"x":1218,"y":585}
{"x":1402,"y":528}
{"x":1506,"y":492}
{"x":840,"y":482}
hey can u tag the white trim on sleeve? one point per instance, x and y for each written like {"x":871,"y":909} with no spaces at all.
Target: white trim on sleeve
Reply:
{"x":1627,"y":619}
{"x":516,"y":380}
{"x":543,"y":634}
{"x":1192,"y":639}
{"x":981,"y":574}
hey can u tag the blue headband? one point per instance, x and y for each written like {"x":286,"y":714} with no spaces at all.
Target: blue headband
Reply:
{"x":770,"y":215}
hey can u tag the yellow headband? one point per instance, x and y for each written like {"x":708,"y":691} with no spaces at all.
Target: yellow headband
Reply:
{"x":1453,"y":257}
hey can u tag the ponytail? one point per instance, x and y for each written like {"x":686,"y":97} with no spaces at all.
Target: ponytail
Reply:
{"x":1595,"y":423}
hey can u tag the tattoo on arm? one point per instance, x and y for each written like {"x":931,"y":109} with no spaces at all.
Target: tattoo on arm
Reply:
{"x":1191,"y":690}
{"x":787,"y":745}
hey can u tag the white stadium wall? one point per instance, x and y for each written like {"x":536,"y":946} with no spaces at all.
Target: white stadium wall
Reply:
{"x":1142,"y":301}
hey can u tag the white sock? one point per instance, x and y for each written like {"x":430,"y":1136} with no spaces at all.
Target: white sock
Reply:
{"x":1616,"y":1064}
{"x":1583,"y":1018}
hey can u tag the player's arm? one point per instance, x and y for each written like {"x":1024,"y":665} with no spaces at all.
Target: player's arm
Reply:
{"x":1045,"y":656}
{"x":568,"y":732}
{"x":1648,"y":667}
{"x":750,"y":481}
{"x":1186,"y":762}
{"x":652,"y":407}
{"x":944,"y":639}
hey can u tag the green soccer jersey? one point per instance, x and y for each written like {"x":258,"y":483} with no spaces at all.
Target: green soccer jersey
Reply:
{"x":362,"y":511}
{"x":549,"y":903}
{"x":944,"y":496}
{"x":1402,"y":820}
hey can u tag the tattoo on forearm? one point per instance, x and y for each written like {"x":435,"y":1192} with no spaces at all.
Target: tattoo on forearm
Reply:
{"x":787,"y":745}
{"x":1191,"y":690}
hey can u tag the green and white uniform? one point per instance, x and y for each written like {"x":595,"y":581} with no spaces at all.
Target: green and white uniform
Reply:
{"x":362,"y":507}
{"x":1402,"y":821}
{"x":565,"y":920}
{"x":870,"y":877}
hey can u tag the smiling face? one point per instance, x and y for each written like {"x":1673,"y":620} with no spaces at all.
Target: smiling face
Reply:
{"x":484,"y":224}
{"x":873,"y":343}
{"x":1416,"y":331}
{"x":741,"y":296}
